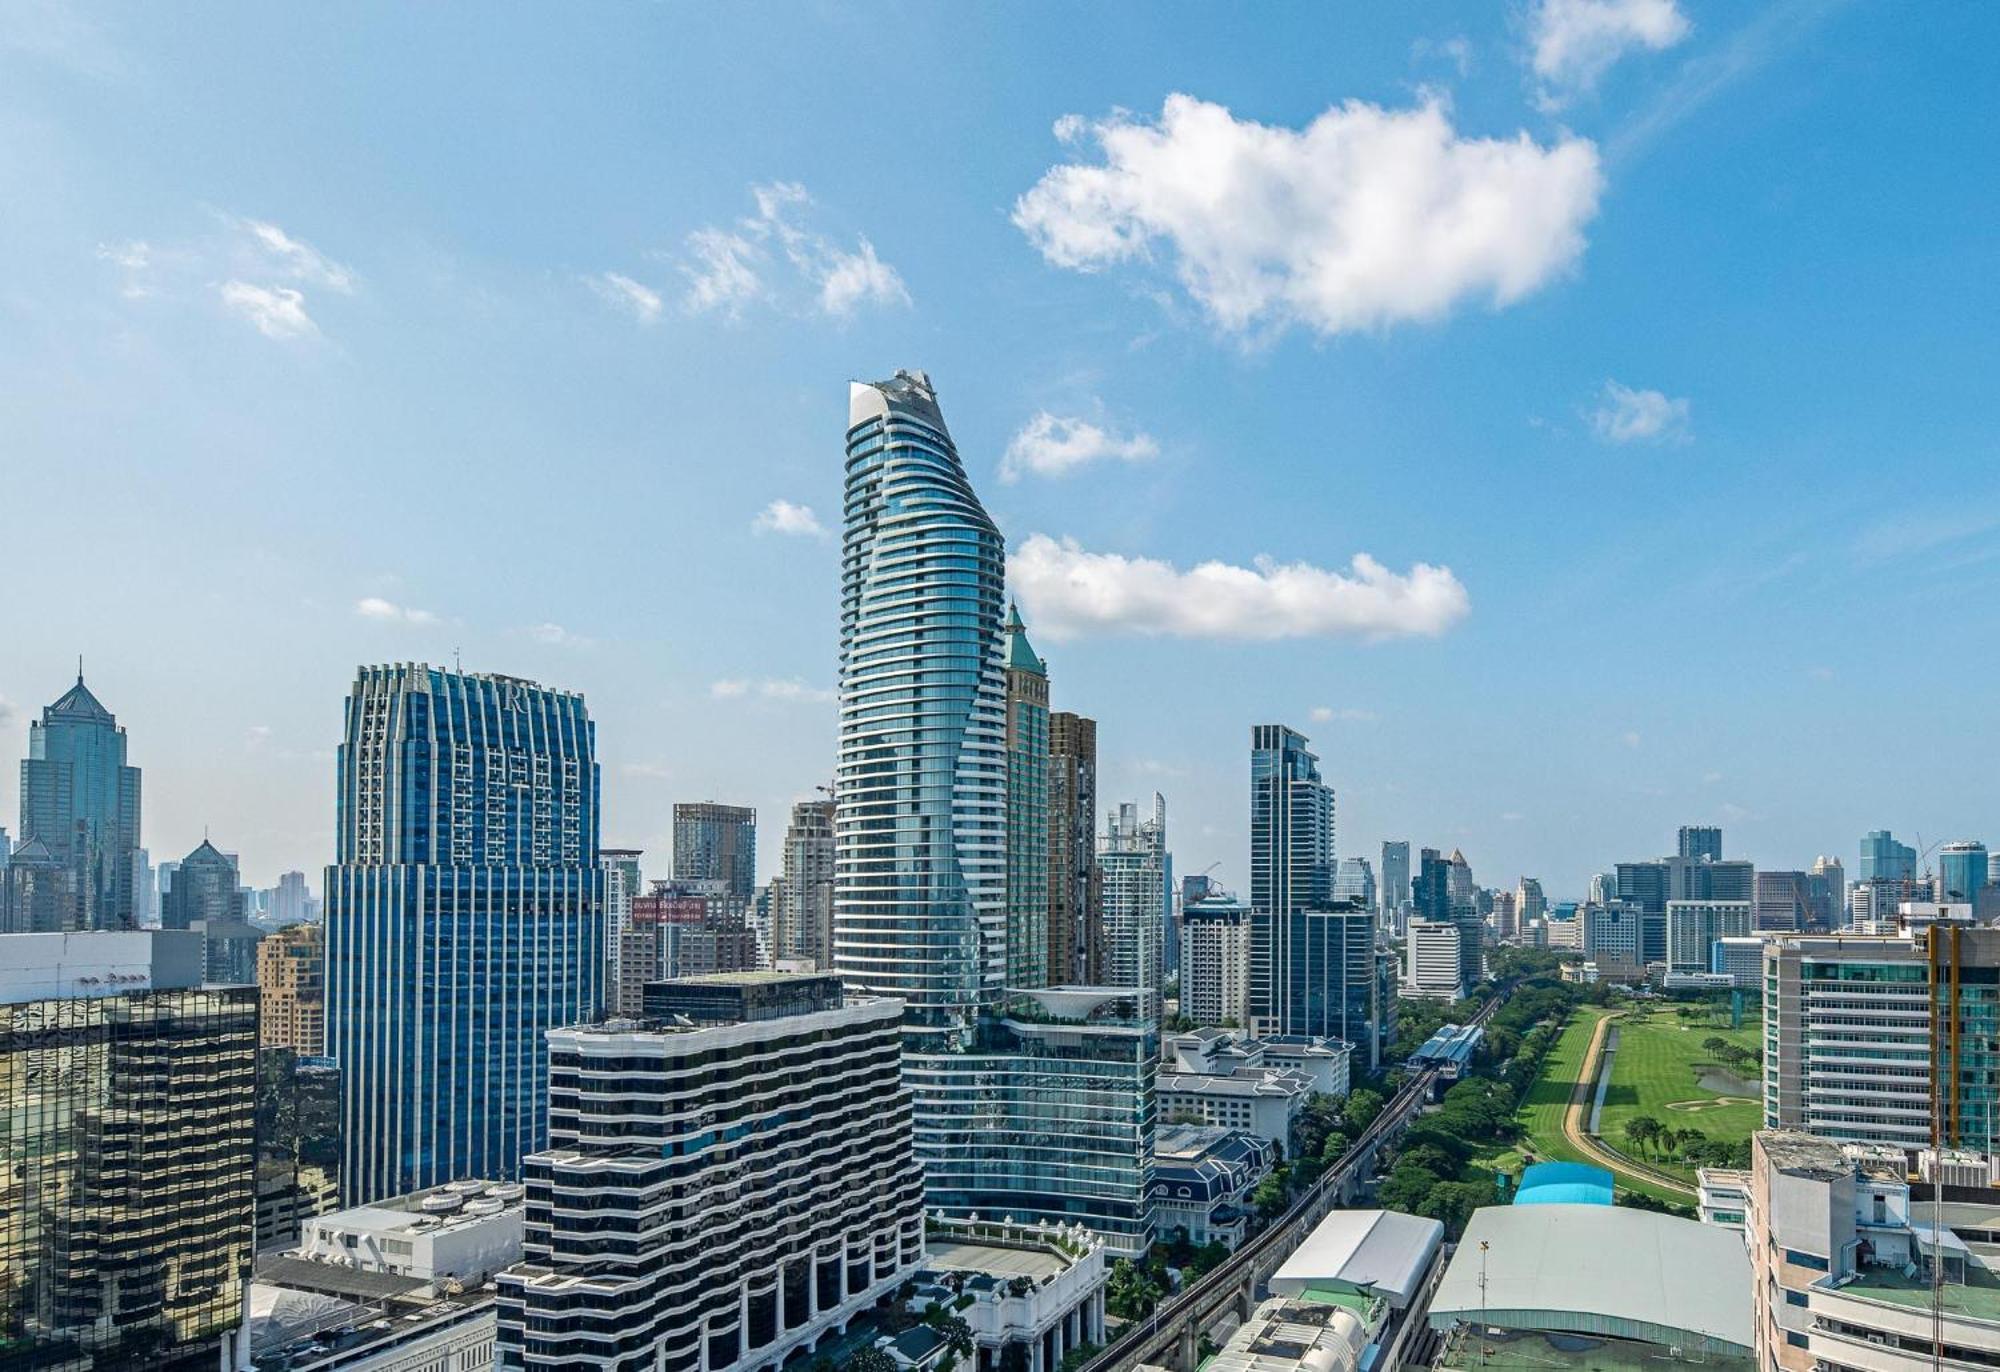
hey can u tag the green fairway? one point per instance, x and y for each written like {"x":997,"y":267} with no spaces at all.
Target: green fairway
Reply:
{"x":1541,"y":1114}
{"x":1657,"y":1072}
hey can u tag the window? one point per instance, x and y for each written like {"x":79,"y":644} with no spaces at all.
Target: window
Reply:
{"x":1798,"y":1259}
{"x":1795,"y":1339}
{"x":1795,"y":1298}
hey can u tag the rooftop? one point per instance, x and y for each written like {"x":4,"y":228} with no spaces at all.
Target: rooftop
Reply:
{"x":1976,"y":1298}
{"x":956,"y":1255}
{"x":1247,"y":1082}
{"x":1375,"y":1250}
{"x":1515,"y":1350}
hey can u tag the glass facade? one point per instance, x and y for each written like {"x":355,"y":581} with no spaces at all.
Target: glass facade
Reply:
{"x":127,"y":1201}
{"x":464,"y":918}
{"x":1137,"y":876}
{"x":81,"y":801}
{"x":1027,"y":810}
{"x":1884,"y":859}
{"x":1961,"y":871}
{"x":1291,"y":861}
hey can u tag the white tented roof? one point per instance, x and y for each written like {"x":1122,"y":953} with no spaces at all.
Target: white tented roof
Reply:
{"x":1600,"y":1269}
{"x":1379,"y":1250}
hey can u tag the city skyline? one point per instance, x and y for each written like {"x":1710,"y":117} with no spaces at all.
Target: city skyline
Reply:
{"x":237,"y":353}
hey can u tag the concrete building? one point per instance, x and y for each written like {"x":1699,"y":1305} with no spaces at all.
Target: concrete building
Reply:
{"x":1027,"y":809}
{"x":1215,"y":961}
{"x":777,"y":1123}
{"x":623,"y":882}
{"x":291,"y":975}
{"x":1137,"y":881}
{"x":1694,"y":927}
{"x":802,"y":913}
{"x":1323,"y":1062}
{"x":1202,"y":1179}
{"x":1855,"y":1026}
{"x":463,"y":1231}
{"x":1739,"y":959}
{"x":1617,"y":934}
{"x":128,"y":1202}
{"x":1784,"y":902}
{"x":1265,"y":1101}
{"x":1076,"y":886}
{"x":1537,"y":1287}
{"x":715,"y":842}
{"x":1433,"y":960}
{"x":1722,"y":1195}
{"x":1395,"y":887}
{"x":1033,"y":1288}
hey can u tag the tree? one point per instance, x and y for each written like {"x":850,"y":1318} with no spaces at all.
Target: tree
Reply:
{"x":1130,"y":1292}
{"x":1360,"y":1109}
{"x":870,"y":1360}
{"x":957,"y":1334}
{"x":1634,"y":1131}
{"x":1269,"y":1198}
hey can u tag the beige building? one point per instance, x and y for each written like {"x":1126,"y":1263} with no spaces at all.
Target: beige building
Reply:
{"x":291,"y":973}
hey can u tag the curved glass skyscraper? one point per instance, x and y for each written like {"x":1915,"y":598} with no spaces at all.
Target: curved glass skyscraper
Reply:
{"x":920,"y":827}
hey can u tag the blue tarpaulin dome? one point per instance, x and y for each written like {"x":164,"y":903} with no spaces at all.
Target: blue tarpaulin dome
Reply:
{"x":1564,"y":1183}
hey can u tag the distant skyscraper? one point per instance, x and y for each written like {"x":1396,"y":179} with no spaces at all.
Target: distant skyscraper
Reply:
{"x":145,"y":893}
{"x":81,"y":800}
{"x":464,"y":919}
{"x":1215,"y":960}
{"x":1133,"y":856}
{"x":1882,"y":858}
{"x":1827,"y":886}
{"x":1701,"y":841}
{"x":623,"y":881}
{"x":802,"y":904}
{"x":208,"y":897}
{"x":1395,"y":888}
{"x":1431,"y":887}
{"x":1043,"y":1114}
{"x":1529,"y":902}
{"x":1291,"y":859}
{"x":1693,"y":926}
{"x":1783,"y":903}
{"x":291,"y":974}
{"x":1462,"y":891}
{"x":291,"y":899}
{"x":131,"y":1101}
{"x":1354,"y":882}
{"x":38,"y":892}
{"x":717,"y":843}
{"x":1076,"y":889}
{"x":1961,"y":870}
{"x":1027,"y":809}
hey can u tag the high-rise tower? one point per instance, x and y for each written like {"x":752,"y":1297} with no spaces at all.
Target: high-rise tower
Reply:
{"x":81,"y":800}
{"x":919,"y":906}
{"x":1039,"y":1103}
{"x":1076,"y":883}
{"x":464,"y":919}
{"x":1291,"y":860}
{"x":1027,"y":810}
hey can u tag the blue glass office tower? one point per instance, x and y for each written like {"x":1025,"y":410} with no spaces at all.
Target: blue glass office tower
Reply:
{"x":81,"y":800}
{"x":1961,"y":870}
{"x":1884,"y":859}
{"x":464,"y":917}
{"x":1042,"y":1109}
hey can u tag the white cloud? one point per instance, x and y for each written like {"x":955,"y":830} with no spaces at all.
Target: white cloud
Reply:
{"x":1630,"y":738}
{"x":276,"y":311}
{"x":1576,"y":41}
{"x":772,"y":689}
{"x":783,"y":517}
{"x":652,"y":770}
{"x":727,"y":268}
{"x":556,"y":636}
{"x":134,"y":258}
{"x":1625,"y":415}
{"x":1054,"y":445}
{"x":389,"y":612}
{"x":621,"y":292}
{"x":296,"y":258}
{"x":1365,"y":218}
{"x":1068,"y":592}
{"x":1327,"y":714}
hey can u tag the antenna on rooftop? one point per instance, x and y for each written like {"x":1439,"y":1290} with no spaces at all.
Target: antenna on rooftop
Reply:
{"x":1483,"y":1349}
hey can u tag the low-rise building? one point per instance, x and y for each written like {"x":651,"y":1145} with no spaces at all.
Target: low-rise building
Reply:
{"x":463,"y":1231}
{"x":1318,"y":1332}
{"x":1723,"y":1194}
{"x":1217,"y":1052}
{"x":1202,"y":1179}
{"x":1449,"y":1050}
{"x":1037,"y":1288}
{"x":1263,"y":1101}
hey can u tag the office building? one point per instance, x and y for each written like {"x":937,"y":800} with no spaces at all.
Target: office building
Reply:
{"x":129,"y":1210}
{"x":774,"y":1122}
{"x":920,"y":856}
{"x":1076,"y":890}
{"x":1215,"y":961}
{"x":291,"y":975}
{"x":1702,"y":842}
{"x":1826,"y":895}
{"x":717,"y":843}
{"x":622,"y":884}
{"x":1263,"y":1101}
{"x":1354,"y":882}
{"x":39,"y":892}
{"x":1884,"y":859}
{"x":207,"y":897}
{"x":1961,"y":871}
{"x":1395,"y":886}
{"x":81,"y":800}
{"x":1855,"y":1027}
{"x":1650,"y":885}
{"x":1434,"y":965}
{"x":1784,"y":901}
{"x":802,"y":907}
{"x":1529,"y":902}
{"x":1501,"y":921}
{"x":1695,"y":926}
{"x":1741,"y":959}
{"x":1137,"y":879}
{"x":292,"y":900}
{"x":1330,"y":988}
{"x":1292,"y":861}
{"x":464,"y":919}
{"x":1027,"y":808}
{"x":1616,"y":935}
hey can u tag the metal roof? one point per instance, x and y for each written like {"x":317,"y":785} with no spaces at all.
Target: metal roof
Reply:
{"x":1599,"y":1269}
{"x":1376,"y":1250}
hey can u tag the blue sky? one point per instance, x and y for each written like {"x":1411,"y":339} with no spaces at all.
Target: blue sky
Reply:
{"x":384,"y":333}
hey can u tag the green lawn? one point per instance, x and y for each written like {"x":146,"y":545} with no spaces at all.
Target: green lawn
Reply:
{"x":1541,"y":1114}
{"x":1655,"y":1073}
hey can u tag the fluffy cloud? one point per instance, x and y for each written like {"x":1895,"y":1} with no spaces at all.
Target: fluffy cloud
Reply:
{"x":1365,"y":218}
{"x":1625,"y":415}
{"x":295,"y":258}
{"x":783,"y":517}
{"x":556,"y":636}
{"x":1068,"y":592}
{"x":728,"y":268}
{"x":275,"y":311}
{"x":1054,"y":445}
{"x":738,"y":688}
{"x":389,"y":612}
{"x":1575,"y":42}
{"x":621,"y":292}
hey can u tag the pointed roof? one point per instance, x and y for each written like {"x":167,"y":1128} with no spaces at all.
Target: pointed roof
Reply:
{"x":205,"y":851}
{"x":1458,"y":859}
{"x":1020,"y":655}
{"x":78,"y":703}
